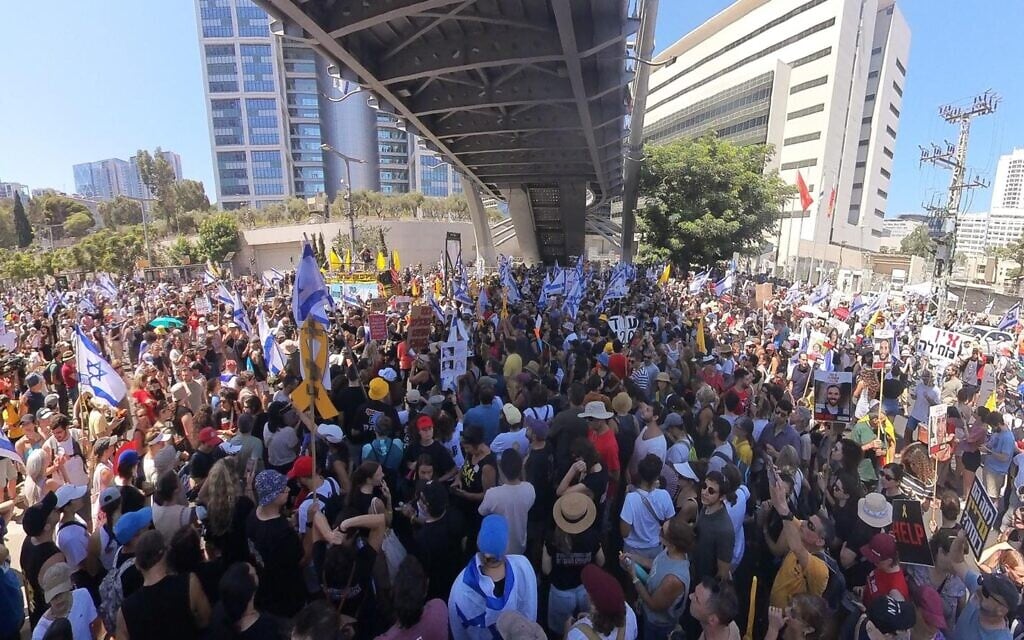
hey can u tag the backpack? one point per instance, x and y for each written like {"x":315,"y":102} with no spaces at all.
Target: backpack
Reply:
{"x":332,"y":505}
{"x":390,"y":473}
{"x":835,"y":588}
{"x":112,"y":592}
{"x":76,"y":449}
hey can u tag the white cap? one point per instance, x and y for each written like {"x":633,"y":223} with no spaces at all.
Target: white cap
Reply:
{"x":685,"y":469}
{"x":68,"y":492}
{"x":330,"y":432}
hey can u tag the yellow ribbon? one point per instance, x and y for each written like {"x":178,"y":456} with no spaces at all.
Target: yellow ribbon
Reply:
{"x":313,"y":346}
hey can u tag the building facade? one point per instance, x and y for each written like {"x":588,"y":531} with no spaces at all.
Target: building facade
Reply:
{"x":819,"y":80}
{"x":433,"y":176}
{"x":105,"y":179}
{"x":8,"y":189}
{"x":977,"y":234}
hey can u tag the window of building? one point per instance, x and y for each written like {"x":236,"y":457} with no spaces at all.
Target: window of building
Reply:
{"x":221,"y":68}
{"x":899,"y":65}
{"x":817,"y":55}
{"x":897,"y":89}
{"x":860,"y":165}
{"x":800,"y":113}
{"x":887,"y":151}
{"x":894,"y":110}
{"x":890,"y":131}
{"x":719,"y":113}
{"x":866,"y":120}
{"x":882,"y":194}
{"x":227,"y":122}
{"x":257,"y":67}
{"x":885,"y":172}
{"x":253,"y":22}
{"x":873,"y":74}
{"x":879,"y":213}
{"x":233,"y":172}
{"x":863,"y":143}
{"x":876,"y":51}
{"x":877,"y":233}
{"x":267,"y":173}
{"x":858,"y":185}
{"x":799,"y":164}
{"x":807,"y":137}
{"x":869,"y":98}
{"x":215,"y":18}
{"x":810,"y":84}
{"x":261,"y":117}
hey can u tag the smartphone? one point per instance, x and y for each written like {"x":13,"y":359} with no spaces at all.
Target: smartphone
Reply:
{"x":773,"y":472}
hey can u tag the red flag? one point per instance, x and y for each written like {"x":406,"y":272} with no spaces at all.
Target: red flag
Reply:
{"x":805,"y":196}
{"x":832,"y":201}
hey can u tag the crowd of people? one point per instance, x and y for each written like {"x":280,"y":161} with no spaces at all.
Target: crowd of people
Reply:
{"x":578,"y":481}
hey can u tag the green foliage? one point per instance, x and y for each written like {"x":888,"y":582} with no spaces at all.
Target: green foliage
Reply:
{"x":702,"y":200}
{"x":189,"y":195}
{"x":321,"y":250}
{"x":120,"y":211}
{"x":22,"y":228}
{"x":296,"y":209}
{"x":158,"y":176}
{"x":218,"y":236}
{"x":53,"y":210}
{"x":184,"y":251}
{"x":918,"y":243}
{"x":105,"y":250}
{"x":78,"y":224}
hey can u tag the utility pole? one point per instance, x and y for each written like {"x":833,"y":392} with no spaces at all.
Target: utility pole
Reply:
{"x":954,"y":158}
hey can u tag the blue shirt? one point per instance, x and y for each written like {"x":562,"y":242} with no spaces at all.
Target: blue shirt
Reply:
{"x":488,"y":417}
{"x":1000,"y":442}
{"x":968,"y":625}
{"x":12,"y":613}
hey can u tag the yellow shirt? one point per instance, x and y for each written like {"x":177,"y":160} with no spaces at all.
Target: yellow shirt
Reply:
{"x":743,"y":450}
{"x":792,"y":579}
{"x":513,"y":367}
{"x":12,"y":420}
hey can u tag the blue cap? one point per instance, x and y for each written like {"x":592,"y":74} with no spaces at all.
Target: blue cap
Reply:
{"x":128,"y":458}
{"x":132,"y":523}
{"x":603,"y":359}
{"x":493,"y":538}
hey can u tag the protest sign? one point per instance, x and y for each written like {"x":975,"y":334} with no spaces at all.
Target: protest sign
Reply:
{"x":833,"y":396}
{"x":979,"y":517}
{"x":762,"y":293}
{"x":453,"y":362}
{"x":936,"y":428}
{"x":202,"y":306}
{"x":882,"y":348}
{"x":378,"y":326}
{"x":378,"y":305}
{"x":420,"y":319}
{"x":910,"y":533}
{"x":624,"y":327}
{"x":942,"y":347}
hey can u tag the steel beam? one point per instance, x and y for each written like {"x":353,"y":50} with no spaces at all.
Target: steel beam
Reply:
{"x":357,"y":15}
{"x":528,"y":87}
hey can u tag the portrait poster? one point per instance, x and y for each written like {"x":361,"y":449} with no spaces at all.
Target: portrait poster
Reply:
{"x":833,"y":396}
{"x":453,"y":363}
{"x":883,"y":339}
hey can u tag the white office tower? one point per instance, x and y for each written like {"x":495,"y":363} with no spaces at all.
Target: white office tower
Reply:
{"x":819,"y":80}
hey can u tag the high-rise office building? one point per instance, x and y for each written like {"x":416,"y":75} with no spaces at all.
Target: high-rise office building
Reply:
{"x":8,"y":189}
{"x":819,"y":80}
{"x":105,"y":179}
{"x":272,"y":103}
{"x":433,"y":175}
{"x":1003,"y":223}
{"x":1008,"y":188}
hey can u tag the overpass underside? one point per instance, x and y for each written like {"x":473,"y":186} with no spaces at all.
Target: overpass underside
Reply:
{"x":526,"y":98}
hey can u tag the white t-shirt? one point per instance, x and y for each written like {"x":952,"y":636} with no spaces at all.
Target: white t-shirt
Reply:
{"x":73,"y":541}
{"x":631,"y":629}
{"x":736,"y":513}
{"x":644,"y":528}
{"x":327,"y":489}
{"x":82,"y":613}
{"x":510,"y":440}
{"x":680,"y":451}
{"x":454,"y":446}
{"x":514,"y":502}
{"x":642,"y":448}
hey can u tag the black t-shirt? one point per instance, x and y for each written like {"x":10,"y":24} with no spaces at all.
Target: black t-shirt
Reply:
{"x":132,"y":499}
{"x":232,"y":544}
{"x":202,"y":462}
{"x":266,"y":627}
{"x":435,"y":546}
{"x":566,"y":567}
{"x":566,"y":427}
{"x":443,"y":462}
{"x":35,"y":400}
{"x":626,"y":436}
{"x":277,"y":551}
{"x":539,"y":470}
{"x":347,"y":400}
{"x":32,"y":558}
{"x":715,"y":537}
{"x":362,"y":427}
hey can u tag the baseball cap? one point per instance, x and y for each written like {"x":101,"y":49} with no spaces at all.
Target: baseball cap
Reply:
{"x":882,"y":546}
{"x":132,"y":523}
{"x":1000,"y":587}
{"x":303,"y":468}
{"x":891,"y":615}
{"x":68,"y":492}
{"x":512,"y":413}
{"x":34,"y":519}
{"x":269,"y":484}
{"x":539,"y":428}
{"x":128,"y":458}
{"x":493,"y":537}
{"x":56,"y":580}
{"x":44,"y":414}
{"x":109,"y":496}
{"x":929,"y":605}
{"x":209,"y":437}
{"x":424,"y":422}
{"x":330,"y":432}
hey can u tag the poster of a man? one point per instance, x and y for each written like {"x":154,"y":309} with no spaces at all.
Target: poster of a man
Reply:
{"x":833,"y":395}
{"x":883,"y":348}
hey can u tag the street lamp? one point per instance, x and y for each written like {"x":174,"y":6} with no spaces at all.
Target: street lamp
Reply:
{"x":348,"y":188}
{"x":145,"y":226}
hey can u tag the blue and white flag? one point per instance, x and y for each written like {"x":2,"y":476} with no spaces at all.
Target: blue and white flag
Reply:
{"x":725,"y":284}
{"x":1010,"y":319}
{"x":880,"y":303}
{"x":349,"y":298}
{"x":309,"y":294}
{"x":988,"y":307}
{"x":273,"y":356}
{"x":460,"y":294}
{"x":85,"y":305}
{"x":436,"y":308}
{"x":482,"y":301}
{"x":699,"y":282}
{"x":823,"y":291}
{"x":857,"y":303}
{"x":8,"y":451}
{"x":271,"y":277}
{"x":224,"y":296}
{"x":106,"y":285}
{"x":95,"y":373}
{"x":239,"y":315}
{"x":55,"y":301}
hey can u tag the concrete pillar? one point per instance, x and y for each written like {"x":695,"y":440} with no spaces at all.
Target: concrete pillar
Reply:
{"x":572,"y":205}
{"x":522,"y":217}
{"x":481,"y":226}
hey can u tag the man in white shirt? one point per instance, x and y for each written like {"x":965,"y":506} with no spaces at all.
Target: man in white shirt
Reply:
{"x":72,"y":531}
{"x":513,"y":500}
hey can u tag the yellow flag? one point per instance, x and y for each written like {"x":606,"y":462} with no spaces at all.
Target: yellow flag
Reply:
{"x":504,"y":305}
{"x":701,"y":345}
{"x":348,"y":259}
{"x":990,"y":404}
{"x":334,"y":260}
{"x":382,"y":264}
{"x":395,"y":262}
{"x":666,"y":272}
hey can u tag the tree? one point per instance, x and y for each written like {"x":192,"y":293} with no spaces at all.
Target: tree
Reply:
{"x":21,"y":224}
{"x":120,"y":211}
{"x":184,"y":251}
{"x":705,"y":199}
{"x":296,"y":209}
{"x":321,"y":250}
{"x":189,"y":195}
{"x":158,"y":176}
{"x":218,"y":236}
{"x":918,"y":243}
{"x":78,"y":225}
{"x":55,"y":209}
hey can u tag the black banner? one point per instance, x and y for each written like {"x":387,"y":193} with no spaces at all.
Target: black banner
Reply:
{"x":979,"y":517}
{"x":910,"y":533}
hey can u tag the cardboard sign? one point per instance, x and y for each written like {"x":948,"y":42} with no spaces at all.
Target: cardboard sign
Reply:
{"x":979,"y":517}
{"x":833,"y":396}
{"x":420,"y":319}
{"x":202,"y":306}
{"x":910,"y":533}
{"x":762,"y":294}
{"x":379,"y":305}
{"x":453,"y":362}
{"x":943,"y":347}
{"x":624,"y":327}
{"x":378,"y":326}
{"x":883,"y":348}
{"x":8,"y":339}
{"x":936,"y":427}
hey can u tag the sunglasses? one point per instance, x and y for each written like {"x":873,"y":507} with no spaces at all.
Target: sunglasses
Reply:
{"x":888,"y":476}
{"x":810,"y":525}
{"x":988,"y":594}
{"x":712,"y":490}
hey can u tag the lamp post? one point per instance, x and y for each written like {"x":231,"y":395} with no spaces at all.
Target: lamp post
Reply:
{"x":145,"y":225}
{"x":348,"y":189}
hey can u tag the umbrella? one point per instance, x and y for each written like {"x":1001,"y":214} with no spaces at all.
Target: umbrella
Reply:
{"x":166,"y":322}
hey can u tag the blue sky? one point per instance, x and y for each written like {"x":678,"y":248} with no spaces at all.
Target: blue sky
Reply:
{"x":129,"y":77}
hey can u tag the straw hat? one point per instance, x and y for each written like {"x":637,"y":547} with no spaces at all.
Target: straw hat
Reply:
{"x":875,"y":510}
{"x":574,"y":513}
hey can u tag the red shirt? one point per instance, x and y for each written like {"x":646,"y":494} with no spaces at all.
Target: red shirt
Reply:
{"x":617,"y":365}
{"x":608,"y":448}
{"x":70,"y":374}
{"x":881,"y":583}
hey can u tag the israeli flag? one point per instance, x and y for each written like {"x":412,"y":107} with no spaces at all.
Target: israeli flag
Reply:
{"x":1010,"y":319}
{"x":85,"y":305}
{"x":272,"y":353}
{"x":725,"y":284}
{"x":224,"y":296}
{"x":239,"y":315}
{"x":95,"y":373}
{"x":857,"y":304}
{"x":349,"y":299}
{"x":821,"y":293}
{"x":699,"y":282}
{"x":106,"y":285}
{"x":988,"y":307}
{"x":436,"y":308}
{"x":54,"y":301}
{"x":309,"y":294}
{"x":481,"y":301}
{"x":8,"y":451}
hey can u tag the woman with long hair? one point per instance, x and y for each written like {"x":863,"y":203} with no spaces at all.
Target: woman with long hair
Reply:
{"x":227,"y":509}
{"x":415,"y":617}
{"x":367,"y":495}
{"x":662,"y":594}
{"x":37,"y":484}
{"x":574,"y":543}
{"x":841,"y":494}
{"x":918,"y":472}
{"x":237,"y":616}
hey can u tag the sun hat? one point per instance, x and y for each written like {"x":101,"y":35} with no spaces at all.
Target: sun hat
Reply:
{"x":512,"y":625}
{"x":622,"y":403}
{"x":604,"y":591}
{"x":209,"y":437}
{"x":132,"y":524}
{"x":663,"y":376}
{"x":881,"y":547}
{"x":574,"y":513}
{"x":891,"y":615}
{"x":672,"y":420}
{"x":33,"y":521}
{"x":685,"y":470}
{"x":269,"y":484}
{"x":302,"y":468}
{"x":55,"y":581}
{"x":595,"y":410}
{"x":533,"y":367}
{"x":289,"y":347}
{"x":68,"y":492}
{"x":929,"y":605}
{"x":330,"y":432}
{"x":539,"y":428}
{"x":874,"y":510}
{"x":512,"y":413}
{"x":379,"y":389}
{"x":493,"y":537}
{"x":413,"y":397}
